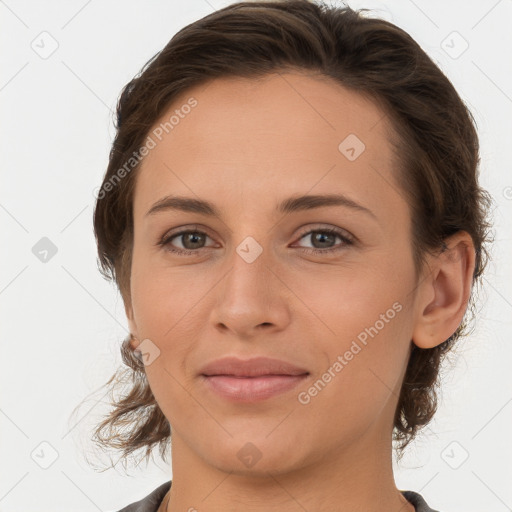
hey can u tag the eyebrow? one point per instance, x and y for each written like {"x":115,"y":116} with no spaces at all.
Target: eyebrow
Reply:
{"x":290,"y":205}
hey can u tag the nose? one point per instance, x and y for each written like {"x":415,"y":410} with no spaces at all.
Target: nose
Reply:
{"x":251,"y":298}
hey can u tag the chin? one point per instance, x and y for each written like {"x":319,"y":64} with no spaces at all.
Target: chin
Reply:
{"x":255,"y":456}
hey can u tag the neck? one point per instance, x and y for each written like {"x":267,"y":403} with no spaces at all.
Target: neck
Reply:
{"x":356,"y":477}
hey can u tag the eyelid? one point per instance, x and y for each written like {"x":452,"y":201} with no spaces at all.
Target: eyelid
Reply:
{"x":323,"y":227}
{"x":186,"y":228}
{"x":303,"y":231}
{"x":346,"y":237}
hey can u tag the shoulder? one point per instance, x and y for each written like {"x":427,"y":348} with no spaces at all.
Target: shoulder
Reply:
{"x":418,"y":501}
{"x":151,"y":502}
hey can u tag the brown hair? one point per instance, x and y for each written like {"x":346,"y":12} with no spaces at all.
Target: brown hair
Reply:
{"x":434,"y":138}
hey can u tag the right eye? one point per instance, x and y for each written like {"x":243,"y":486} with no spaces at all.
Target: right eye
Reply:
{"x":193,"y":238}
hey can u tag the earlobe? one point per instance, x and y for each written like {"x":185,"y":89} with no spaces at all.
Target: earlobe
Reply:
{"x":445,"y":291}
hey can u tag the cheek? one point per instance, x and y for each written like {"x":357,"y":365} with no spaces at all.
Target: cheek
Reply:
{"x":343,"y":301}
{"x":167,"y":311}
{"x":161,"y":295}
{"x":363,"y":322}
{"x":361,"y":379}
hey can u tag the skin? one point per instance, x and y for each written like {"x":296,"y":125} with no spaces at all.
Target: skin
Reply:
{"x":246,"y":146}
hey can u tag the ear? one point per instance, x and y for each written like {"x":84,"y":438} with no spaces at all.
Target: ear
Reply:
{"x":444,"y":291}
{"x":134,"y":341}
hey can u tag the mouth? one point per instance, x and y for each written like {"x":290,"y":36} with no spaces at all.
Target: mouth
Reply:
{"x":251,"y":380}
{"x":252,"y":389}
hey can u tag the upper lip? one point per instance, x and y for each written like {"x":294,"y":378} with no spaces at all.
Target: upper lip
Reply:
{"x":251,"y":367}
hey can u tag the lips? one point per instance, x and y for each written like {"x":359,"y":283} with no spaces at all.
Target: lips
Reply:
{"x":251,"y":380}
{"x":254,"y":367}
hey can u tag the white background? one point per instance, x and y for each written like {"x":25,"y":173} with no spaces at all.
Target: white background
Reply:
{"x":62,"y":324}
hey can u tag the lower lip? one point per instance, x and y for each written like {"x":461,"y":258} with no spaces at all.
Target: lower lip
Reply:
{"x":252,"y":389}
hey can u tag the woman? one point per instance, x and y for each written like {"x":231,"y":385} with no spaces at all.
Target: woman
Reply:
{"x":292,"y":214}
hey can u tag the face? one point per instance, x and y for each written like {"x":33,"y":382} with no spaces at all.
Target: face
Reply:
{"x":328,"y":288}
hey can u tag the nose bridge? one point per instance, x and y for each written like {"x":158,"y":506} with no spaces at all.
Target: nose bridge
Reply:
{"x":250,"y":276}
{"x":250,"y":293}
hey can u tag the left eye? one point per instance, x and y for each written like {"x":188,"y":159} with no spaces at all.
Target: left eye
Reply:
{"x":320,"y":236}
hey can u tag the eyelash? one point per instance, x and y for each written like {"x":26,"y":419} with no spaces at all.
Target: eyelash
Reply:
{"x":347,"y":241}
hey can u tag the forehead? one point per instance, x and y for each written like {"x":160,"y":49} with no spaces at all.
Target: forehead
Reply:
{"x":255,"y":141}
